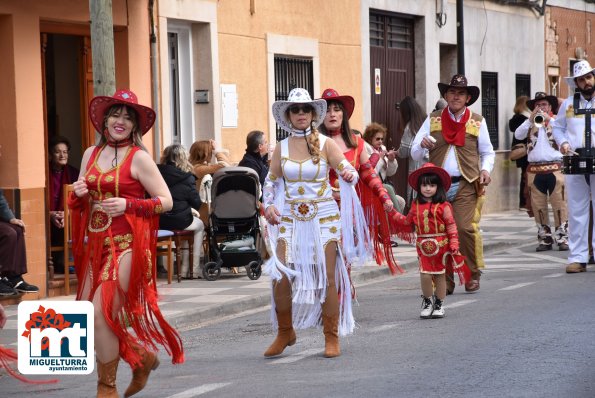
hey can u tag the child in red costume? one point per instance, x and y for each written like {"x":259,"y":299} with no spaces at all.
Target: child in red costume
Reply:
{"x":437,"y":238}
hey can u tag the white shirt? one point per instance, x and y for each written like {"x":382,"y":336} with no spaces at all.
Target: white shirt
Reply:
{"x":572,"y":129}
{"x":542,"y":149}
{"x":486,"y":151}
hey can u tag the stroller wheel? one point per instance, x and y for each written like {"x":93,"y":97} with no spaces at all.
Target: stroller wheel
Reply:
{"x":211,"y":271}
{"x":254,"y":270}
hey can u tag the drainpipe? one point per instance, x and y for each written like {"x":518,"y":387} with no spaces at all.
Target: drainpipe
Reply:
{"x":460,"y":39}
{"x":155,"y":83}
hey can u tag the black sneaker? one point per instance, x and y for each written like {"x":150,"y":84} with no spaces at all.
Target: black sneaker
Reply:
{"x":6,"y":289}
{"x":19,"y":284}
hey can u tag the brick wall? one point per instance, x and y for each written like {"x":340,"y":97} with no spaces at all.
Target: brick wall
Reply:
{"x":566,"y":32}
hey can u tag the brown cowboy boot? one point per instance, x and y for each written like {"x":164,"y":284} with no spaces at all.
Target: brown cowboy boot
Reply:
{"x":330,"y":327}
{"x":285,"y":334}
{"x":140,"y":375}
{"x":106,"y":379}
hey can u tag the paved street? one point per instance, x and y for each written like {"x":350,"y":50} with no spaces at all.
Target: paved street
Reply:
{"x":527,"y":333}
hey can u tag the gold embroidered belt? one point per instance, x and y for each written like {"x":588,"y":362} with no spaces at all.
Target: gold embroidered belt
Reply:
{"x":544,"y":167}
{"x":99,"y":220}
{"x":305,"y":209}
{"x":431,"y":246}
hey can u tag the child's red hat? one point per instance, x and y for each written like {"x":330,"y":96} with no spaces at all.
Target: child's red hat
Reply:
{"x":430,"y":168}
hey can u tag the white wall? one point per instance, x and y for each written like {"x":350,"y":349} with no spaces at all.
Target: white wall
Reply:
{"x":503,"y":39}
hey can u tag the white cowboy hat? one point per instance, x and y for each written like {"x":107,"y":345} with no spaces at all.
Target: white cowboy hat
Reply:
{"x":298,"y":96}
{"x":581,"y":68}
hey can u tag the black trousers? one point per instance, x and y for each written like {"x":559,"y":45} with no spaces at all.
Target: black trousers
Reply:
{"x":13,"y":256}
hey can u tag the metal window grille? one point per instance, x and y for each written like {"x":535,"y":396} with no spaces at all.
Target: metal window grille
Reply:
{"x":489,"y":104}
{"x":289,"y":74}
{"x":390,"y":31}
{"x":523,"y":85}
{"x":174,"y":82}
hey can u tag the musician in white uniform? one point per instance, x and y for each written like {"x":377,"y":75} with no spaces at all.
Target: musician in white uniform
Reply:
{"x":569,"y":133}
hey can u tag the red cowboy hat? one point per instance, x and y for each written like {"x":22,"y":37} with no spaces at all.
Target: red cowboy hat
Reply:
{"x":429,"y":168}
{"x":347,"y":101}
{"x":100,"y":104}
{"x":460,"y":81}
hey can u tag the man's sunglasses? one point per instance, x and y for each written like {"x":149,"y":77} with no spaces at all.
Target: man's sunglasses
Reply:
{"x":295,"y":109}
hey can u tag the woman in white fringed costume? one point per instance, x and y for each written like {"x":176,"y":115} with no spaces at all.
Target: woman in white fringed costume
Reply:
{"x":307,"y":233}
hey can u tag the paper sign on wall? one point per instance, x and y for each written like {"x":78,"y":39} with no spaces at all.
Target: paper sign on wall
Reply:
{"x":377,"y":81}
{"x":229,"y":105}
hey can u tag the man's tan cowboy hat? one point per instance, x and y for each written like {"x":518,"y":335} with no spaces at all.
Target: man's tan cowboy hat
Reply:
{"x":346,"y":100}
{"x":298,"y":96}
{"x":460,"y":81}
{"x":100,"y":104}
{"x":429,"y":168}
{"x":581,"y":68}
{"x":540,"y":96}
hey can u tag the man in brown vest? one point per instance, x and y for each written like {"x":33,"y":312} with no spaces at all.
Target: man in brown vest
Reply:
{"x":458,"y":140}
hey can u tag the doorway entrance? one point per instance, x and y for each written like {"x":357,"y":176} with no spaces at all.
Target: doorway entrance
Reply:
{"x":67,"y":84}
{"x":392,"y":63}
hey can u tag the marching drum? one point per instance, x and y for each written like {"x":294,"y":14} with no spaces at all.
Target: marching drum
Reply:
{"x":578,"y":164}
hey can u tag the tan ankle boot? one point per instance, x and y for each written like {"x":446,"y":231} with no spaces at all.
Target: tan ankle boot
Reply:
{"x":106,"y":379}
{"x":285,"y":335}
{"x":140,"y":375}
{"x":330,"y":327}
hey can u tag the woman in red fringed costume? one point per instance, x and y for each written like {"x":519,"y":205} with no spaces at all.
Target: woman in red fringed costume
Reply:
{"x":373,"y":196}
{"x":437,"y":237}
{"x":114,"y":237}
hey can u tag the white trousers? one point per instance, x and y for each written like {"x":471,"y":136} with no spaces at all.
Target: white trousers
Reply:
{"x":199,"y":232}
{"x":579,"y":195}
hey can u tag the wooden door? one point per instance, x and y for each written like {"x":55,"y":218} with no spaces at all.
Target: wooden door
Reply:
{"x":86,"y":90}
{"x":392,"y":62}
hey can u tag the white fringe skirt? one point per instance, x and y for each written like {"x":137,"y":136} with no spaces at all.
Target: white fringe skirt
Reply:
{"x":307,"y":227}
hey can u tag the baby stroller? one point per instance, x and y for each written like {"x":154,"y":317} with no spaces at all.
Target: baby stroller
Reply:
{"x":233,"y":223}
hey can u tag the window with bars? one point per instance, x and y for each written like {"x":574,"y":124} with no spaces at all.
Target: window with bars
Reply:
{"x":174,"y":83}
{"x":489,"y":104}
{"x":523,"y":85}
{"x":390,"y":31}
{"x":292,"y":72}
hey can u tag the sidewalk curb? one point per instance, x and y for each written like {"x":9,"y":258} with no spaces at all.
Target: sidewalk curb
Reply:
{"x":199,"y":316}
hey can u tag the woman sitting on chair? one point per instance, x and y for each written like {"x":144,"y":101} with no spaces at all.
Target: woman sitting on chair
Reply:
{"x":177,"y":173}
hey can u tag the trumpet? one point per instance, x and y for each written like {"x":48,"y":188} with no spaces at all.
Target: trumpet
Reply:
{"x":538,"y":120}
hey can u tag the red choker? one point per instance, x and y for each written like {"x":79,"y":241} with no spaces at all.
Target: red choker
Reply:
{"x":333,"y":133}
{"x":119,"y":144}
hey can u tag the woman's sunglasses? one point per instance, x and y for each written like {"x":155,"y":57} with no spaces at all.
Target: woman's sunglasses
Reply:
{"x":295,"y":109}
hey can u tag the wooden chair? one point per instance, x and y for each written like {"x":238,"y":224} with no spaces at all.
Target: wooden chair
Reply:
{"x":179,"y":237}
{"x":164,"y":243}
{"x":67,"y":246}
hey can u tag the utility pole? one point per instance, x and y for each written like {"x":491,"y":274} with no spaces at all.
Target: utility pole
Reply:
{"x":102,"y":46}
{"x":460,"y":39}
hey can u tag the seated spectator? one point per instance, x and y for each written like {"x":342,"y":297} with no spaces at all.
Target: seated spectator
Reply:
{"x":177,"y":173}
{"x":13,"y":256}
{"x":384,"y":161}
{"x":61,"y":173}
{"x":257,"y":155}
{"x":201,"y":154}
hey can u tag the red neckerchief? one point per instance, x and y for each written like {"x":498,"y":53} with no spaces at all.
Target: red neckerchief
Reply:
{"x":335,"y":132}
{"x":453,"y":131}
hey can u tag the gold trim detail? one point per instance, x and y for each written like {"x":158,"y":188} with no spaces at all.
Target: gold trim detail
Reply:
{"x":324,"y":220}
{"x":99,"y":220}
